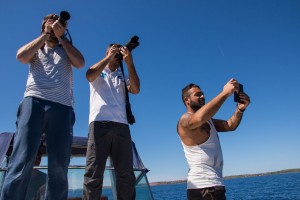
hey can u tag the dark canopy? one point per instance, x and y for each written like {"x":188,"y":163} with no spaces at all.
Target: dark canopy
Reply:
{"x":79,"y":147}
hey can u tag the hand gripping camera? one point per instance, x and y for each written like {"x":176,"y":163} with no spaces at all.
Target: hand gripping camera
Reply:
{"x":131,"y":44}
{"x":64,"y":17}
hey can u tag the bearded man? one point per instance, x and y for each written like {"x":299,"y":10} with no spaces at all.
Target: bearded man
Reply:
{"x":198,"y":132}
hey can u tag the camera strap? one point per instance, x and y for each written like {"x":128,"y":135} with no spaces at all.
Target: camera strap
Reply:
{"x":126,"y":89}
{"x":68,"y":33}
{"x":130,"y":117}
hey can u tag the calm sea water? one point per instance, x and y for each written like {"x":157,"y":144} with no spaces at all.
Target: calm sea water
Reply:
{"x":270,"y":187}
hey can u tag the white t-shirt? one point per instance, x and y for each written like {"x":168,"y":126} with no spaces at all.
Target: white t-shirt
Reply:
{"x":107,"y":97}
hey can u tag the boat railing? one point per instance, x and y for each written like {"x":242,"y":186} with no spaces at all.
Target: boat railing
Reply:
{"x":75,"y":179}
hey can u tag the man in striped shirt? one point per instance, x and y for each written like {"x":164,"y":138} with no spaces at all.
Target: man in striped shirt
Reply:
{"x":47,"y":108}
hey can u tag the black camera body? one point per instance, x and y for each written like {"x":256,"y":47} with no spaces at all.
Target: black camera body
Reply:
{"x":131,"y":44}
{"x":64,"y":17}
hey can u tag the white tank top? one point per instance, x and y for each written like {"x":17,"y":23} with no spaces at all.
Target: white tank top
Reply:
{"x":205,"y":162}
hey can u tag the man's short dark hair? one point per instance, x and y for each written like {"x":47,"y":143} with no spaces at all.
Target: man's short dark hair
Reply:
{"x":185,"y":91}
{"x":110,"y":45}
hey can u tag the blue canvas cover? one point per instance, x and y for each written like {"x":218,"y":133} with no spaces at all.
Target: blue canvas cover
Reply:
{"x":5,"y":140}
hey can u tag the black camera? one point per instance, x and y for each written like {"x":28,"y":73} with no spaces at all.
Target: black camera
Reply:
{"x":236,"y":94}
{"x":64,"y":17}
{"x":131,"y":44}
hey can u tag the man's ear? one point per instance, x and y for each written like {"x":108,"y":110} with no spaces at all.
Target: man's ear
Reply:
{"x":186,"y":100}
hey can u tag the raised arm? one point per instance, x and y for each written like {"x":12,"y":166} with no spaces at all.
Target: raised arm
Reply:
{"x":76,"y":58}
{"x":233,"y":122}
{"x":207,"y":111}
{"x":94,"y":71}
{"x":26,"y":52}
{"x":134,"y":86}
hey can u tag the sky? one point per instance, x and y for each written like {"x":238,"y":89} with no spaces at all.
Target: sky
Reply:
{"x":206,"y":42}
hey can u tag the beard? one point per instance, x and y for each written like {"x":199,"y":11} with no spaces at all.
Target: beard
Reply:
{"x":196,"y":105}
{"x":53,"y":39}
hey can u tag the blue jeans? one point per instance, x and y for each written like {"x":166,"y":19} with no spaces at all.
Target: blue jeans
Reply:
{"x":35,"y":117}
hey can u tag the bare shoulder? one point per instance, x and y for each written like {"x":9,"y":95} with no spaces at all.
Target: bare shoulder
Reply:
{"x":183,"y":124}
{"x":192,"y":136}
{"x":184,"y":120}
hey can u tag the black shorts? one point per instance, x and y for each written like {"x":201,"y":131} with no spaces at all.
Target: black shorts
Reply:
{"x":209,"y":193}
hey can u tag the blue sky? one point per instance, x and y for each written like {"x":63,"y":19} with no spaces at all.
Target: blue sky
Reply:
{"x":201,"y":41}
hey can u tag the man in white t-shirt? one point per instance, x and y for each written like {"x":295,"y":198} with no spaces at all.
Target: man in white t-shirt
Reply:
{"x":198,"y":132}
{"x":109,"y":133}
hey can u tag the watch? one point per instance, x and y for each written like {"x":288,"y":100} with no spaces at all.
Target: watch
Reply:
{"x":63,"y":38}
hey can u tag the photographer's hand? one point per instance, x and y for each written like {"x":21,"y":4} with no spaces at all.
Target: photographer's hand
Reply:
{"x":134,"y":86}
{"x":233,"y":122}
{"x":230,"y":87}
{"x":126,"y":55}
{"x":58,"y":29}
{"x":75,"y":56}
{"x":245,"y":101}
{"x":111,"y":54}
{"x":48,"y":27}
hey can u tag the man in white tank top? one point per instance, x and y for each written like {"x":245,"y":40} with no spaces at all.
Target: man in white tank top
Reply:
{"x":198,"y":132}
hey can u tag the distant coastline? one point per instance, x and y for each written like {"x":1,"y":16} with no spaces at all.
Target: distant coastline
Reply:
{"x":231,"y":177}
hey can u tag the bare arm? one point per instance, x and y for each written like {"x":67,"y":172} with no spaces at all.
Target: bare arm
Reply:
{"x":76,"y":58}
{"x":134,"y":86}
{"x":233,"y":122}
{"x":94,"y":71}
{"x":195,"y":136}
{"x":209,"y":110}
{"x":26,"y":52}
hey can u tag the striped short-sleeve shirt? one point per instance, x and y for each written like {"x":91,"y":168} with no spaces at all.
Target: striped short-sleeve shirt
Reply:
{"x":50,"y":76}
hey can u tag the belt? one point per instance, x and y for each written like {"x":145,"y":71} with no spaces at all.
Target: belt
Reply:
{"x":213,"y":189}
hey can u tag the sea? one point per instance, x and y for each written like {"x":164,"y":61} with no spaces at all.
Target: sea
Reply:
{"x":267,"y":187}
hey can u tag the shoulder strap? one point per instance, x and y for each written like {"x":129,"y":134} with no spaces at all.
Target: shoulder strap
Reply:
{"x":126,"y":89}
{"x":130,"y":117}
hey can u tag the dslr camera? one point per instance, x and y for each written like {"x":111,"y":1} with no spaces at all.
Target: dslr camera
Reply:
{"x":64,"y":17}
{"x":131,"y":44}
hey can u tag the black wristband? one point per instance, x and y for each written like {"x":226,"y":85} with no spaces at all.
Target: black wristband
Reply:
{"x":63,"y":38}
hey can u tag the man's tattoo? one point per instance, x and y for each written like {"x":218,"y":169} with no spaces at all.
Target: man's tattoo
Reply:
{"x":185,"y":121}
